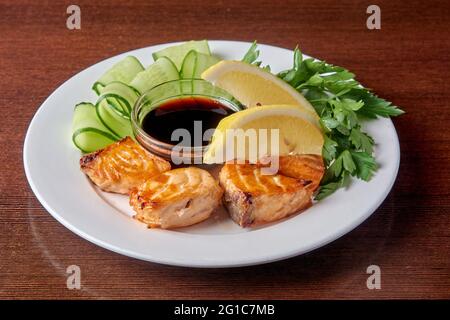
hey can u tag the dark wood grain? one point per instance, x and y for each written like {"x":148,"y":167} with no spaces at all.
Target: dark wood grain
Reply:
{"x":407,"y":62}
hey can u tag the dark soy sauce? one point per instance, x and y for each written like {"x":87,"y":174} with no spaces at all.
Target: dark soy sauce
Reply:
{"x":181,"y":113}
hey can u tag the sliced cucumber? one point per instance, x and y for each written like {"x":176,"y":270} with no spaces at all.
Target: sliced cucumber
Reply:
{"x":195,"y":63}
{"x":178,"y":52}
{"x":123,"y":71}
{"x":120,"y":97}
{"x":89,"y":134}
{"x":118,"y":125}
{"x":162,"y":70}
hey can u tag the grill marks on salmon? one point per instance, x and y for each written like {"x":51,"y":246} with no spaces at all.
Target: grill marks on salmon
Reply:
{"x":122,"y":166}
{"x":176,"y":198}
{"x":167,"y":198}
{"x":309,"y":168}
{"x":252,"y":198}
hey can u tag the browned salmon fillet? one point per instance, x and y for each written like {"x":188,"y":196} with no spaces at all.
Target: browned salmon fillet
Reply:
{"x":122,"y":166}
{"x":253,"y":198}
{"x":176,"y":198}
{"x":308,"y":167}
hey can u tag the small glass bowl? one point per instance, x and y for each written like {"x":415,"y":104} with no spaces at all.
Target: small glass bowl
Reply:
{"x":164,"y":93}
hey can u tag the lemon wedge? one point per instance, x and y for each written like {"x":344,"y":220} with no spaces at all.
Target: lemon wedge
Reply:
{"x":254,"y":86}
{"x":297,"y":133}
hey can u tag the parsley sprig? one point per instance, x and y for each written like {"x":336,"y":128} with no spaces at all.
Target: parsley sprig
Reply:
{"x":251,"y":57}
{"x":341,"y":102}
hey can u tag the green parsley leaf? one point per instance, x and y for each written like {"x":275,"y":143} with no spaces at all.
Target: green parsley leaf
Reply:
{"x":335,"y":170}
{"x":347,"y":161}
{"x":373,"y":105}
{"x":252,"y":55}
{"x":361,"y":141}
{"x":365,"y":165}
{"x":341,"y":102}
{"x":328,"y":189}
{"x":329,"y":149}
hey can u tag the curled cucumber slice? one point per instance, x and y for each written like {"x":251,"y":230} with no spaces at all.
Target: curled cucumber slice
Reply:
{"x":161,"y":71}
{"x":178,"y":52}
{"x":124,"y":71}
{"x":116,"y":124}
{"x":195,"y":63}
{"x":89,"y":134}
{"x":120,"y":97}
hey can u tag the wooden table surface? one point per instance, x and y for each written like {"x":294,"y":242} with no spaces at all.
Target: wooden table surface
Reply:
{"x":407,"y":62}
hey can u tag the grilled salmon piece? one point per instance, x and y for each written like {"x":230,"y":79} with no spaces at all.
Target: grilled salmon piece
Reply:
{"x":307,"y":167}
{"x":253,"y":198}
{"x":122,"y":166}
{"x":176,"y":198}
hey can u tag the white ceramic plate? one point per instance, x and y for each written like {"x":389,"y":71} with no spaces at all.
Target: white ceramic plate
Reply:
{"x":52,"y":168}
